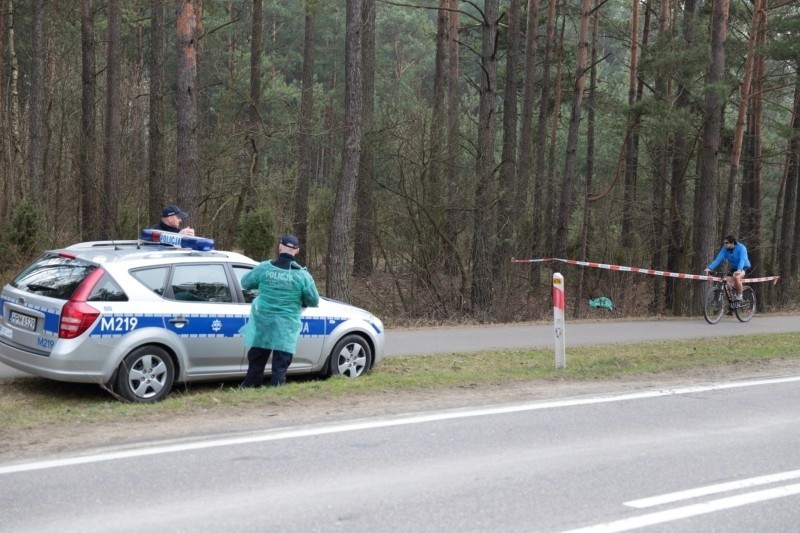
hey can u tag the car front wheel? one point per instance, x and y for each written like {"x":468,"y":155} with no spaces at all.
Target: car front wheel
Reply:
{"x":145,"y":375}
{"x":351,"y":357}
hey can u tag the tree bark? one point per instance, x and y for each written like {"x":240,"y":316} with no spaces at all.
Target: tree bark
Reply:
{"x":733,"y":176}
{"x":508,"y":162}
{"x":188,"y":178}
{"x":362,"y":252}
{"x":629,"y":202}
{"x":705,"y":202}
{"x":507,"y":227}
{"x":88,"y":185}
{"x":304,"y":140}
{"x":525,"y":166}
{"x":750,"y":229}
{"x":337,"y":280}
{"x":155,"y":145}
{"x":660,"y":221}
{"x":110,"y":201}
{"x":483,"y":223}
{"x":790,"y":199}
{"x":566,"y":202}
{"x":675,"y":293}
{"x":453,"y":218}
{"x":36,"y":126}
{"x":586,"y":226}
{"x":540,"y":204}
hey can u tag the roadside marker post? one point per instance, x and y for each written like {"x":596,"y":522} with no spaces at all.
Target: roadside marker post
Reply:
{"x":558,"y":318}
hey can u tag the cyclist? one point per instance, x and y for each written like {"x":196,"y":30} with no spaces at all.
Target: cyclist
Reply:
{"x":738,"y":263}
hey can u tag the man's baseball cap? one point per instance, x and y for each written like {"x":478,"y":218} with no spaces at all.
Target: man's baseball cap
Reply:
{"x":172,"y":209}
{"x":290,"y":241}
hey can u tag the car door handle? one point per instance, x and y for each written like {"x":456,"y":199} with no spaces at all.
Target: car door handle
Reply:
{"x":178,"y":321}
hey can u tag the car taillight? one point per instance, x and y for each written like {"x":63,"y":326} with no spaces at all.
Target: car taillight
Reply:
{"x":77,"y":315}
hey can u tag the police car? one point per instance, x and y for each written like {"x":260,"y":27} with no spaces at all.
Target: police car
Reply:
{"x":138,"y":316}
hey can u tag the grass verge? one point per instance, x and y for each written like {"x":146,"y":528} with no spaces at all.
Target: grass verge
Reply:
{"x":27,"y":403}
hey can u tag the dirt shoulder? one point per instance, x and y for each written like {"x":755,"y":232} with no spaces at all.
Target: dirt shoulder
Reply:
{"x":71,"y":437}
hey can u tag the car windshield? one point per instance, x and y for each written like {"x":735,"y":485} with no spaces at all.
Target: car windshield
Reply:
{"x":53,"y":276}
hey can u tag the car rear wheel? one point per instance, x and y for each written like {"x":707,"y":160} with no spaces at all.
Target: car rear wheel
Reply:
{"x":145,"y":375}
{"x":351,"y":357}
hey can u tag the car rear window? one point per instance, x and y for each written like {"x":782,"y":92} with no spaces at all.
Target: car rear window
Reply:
{"x":53,"y":276}
{"x":107,"y":290}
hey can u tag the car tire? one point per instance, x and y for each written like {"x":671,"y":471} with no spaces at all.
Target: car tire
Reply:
{"x":351,"y":357}
{"x":145,"y":375}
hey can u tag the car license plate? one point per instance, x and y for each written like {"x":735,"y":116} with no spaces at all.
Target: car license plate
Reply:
{"x":22,"y":321}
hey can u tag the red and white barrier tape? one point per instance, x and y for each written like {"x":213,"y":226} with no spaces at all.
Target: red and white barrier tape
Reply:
{"x":648,"y":271}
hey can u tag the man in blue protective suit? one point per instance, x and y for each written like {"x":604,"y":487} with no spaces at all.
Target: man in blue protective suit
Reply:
{"x":738,"y":262}
{"x":284,"y":288}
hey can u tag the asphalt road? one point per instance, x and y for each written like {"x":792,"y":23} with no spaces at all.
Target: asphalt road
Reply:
{"x":420,"y":341}
{"x":715,"y":458}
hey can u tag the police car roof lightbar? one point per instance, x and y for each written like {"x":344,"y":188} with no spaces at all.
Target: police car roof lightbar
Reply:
{"x":201,"y":244}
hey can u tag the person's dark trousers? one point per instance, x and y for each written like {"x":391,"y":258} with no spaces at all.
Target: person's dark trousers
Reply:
{"x":280,"y":363}
{"x":257,"y":362}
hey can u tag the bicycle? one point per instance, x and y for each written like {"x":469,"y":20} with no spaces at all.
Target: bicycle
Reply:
{"x":719,"y":297}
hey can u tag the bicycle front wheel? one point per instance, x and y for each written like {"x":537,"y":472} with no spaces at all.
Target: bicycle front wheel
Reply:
{"x":747,"y":307}
{"x":713,"y":305}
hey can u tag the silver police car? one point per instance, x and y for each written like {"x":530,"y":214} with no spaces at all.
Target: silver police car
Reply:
{"x":138,"y":316}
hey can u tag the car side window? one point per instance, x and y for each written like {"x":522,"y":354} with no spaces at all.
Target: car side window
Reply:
{"x":154,"y":279}
{"x":200,"y":283}
{"x":107,"y":290}
{"x":249,"y":294}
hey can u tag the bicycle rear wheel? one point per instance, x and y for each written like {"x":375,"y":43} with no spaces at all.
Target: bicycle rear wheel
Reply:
{"x":747,"y":307}
{"x":713,"y":305}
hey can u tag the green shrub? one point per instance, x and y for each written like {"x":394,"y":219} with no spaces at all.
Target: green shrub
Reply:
{"x":257,"y":234}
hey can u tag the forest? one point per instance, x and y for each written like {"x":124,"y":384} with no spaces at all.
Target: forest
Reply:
{"x":420,"y":149}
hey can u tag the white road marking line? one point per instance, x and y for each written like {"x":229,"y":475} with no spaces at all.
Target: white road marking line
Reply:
{"x":626,"y":524}
{"x":374,"y":424}
{"x":713,"y":489}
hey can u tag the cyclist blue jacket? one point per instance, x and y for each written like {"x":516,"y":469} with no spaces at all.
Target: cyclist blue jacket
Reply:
{"x":737,"y":258}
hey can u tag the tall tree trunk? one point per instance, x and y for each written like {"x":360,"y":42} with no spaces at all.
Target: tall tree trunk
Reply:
{"x":304,"y":140}
{"x":525,"y":166}
{"x":792,"y":174}
{"x":88,"y":185}
{"x":676,"y":293}
{"x":3,"y":34}
{"x":155,"y":145}
{"x":508,"y":163}
{"x":540,"y":204}
{"x":661,"y":164}
{"x":362,"y":253}
{"x":733,"y":176}
{"x":453,"y":218}
{"x":705,"y":202}
{"x":506,"y":217}
{"x":337,"y":281}
{"x":629,"y":202}
{"x":483,"y":223}
{"x":586,"y":227}
{"x":570,"y":160}
{"x":113,"y":138}
{"x":36,"y":125}
{"x":16,"y":185}
{"x":186,"y":104}
{"x":246,"y":198}
{"x":5,"y":171}
{"x":432,"y":191}
{"x":750,"y":231}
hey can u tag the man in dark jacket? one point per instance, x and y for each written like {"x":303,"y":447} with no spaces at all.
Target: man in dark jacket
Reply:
{"x":171,"y":218}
